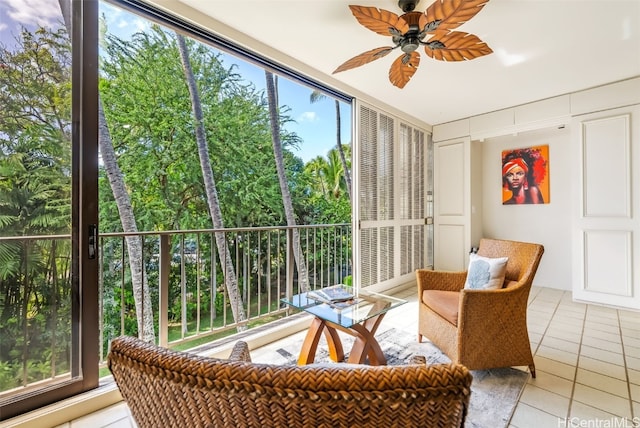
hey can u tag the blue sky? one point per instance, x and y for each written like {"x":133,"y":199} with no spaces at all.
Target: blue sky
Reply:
{"x":314,"y":123}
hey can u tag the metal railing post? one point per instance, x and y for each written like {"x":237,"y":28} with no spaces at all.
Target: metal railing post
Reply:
{"x":290,"y":264}
{"x":163,"y":292}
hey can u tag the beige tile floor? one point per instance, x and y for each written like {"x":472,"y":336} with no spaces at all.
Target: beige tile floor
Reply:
{"x":587,"y":359}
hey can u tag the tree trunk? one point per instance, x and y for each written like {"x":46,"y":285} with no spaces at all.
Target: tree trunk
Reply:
{"x":303,"y":279}
{"x":231,"y":281}
{"x":343,"y":159}
{"x":142,"y":297}
{"x":141,"y":294}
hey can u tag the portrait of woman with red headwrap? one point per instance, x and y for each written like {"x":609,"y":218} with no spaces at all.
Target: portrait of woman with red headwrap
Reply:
{"x":524,"y":176}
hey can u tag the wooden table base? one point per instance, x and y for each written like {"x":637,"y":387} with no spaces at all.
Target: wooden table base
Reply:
{"x":365,"y":345}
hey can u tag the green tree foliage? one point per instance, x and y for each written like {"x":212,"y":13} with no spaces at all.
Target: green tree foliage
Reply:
{"x":147,"y":107}
{"x":346,"y":162}
{"x":329,"y":199}
{"x":35,"y":199}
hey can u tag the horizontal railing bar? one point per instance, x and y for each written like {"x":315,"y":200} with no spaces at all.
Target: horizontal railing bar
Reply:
{"x":33,"y":237}
{"x":224,"y":230}
{"x":179,"y":232}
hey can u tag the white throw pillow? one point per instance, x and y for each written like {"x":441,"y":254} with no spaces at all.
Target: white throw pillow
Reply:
{"x":485,"y":273}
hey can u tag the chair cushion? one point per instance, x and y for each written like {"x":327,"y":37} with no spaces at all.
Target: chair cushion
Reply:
{"x":485,"y":273}
{"x":444,"y":303}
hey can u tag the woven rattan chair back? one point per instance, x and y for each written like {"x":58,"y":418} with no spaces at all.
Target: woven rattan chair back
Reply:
{"x":165,"y":388}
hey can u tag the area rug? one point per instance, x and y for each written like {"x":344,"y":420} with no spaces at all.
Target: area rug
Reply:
{"x":494,"y":393}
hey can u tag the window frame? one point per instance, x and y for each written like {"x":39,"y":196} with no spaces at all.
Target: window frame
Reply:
{"x":84,"y":213}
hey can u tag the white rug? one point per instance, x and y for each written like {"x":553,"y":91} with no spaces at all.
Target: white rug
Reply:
{"x":494,"y":393}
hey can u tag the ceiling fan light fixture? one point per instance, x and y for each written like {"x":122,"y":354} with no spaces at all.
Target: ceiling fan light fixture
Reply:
{"x":410,"y":44}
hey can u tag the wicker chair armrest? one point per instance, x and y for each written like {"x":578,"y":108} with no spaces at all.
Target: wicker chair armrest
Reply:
{"x":490,"y":313}
{"x":240,"y":352}
{"x":440,"y":280}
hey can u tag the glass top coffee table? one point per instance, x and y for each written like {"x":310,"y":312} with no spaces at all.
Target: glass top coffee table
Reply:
{"x":359,"y":318}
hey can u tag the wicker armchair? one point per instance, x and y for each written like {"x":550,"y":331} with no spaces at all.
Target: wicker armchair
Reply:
{"x":481,"y":329}
{"x":165,"y":388}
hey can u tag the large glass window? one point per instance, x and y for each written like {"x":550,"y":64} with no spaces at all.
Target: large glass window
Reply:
{"x":122,"y":127}
{"x":186,"y":141}
{"x":198,"y":135}
{"x":42,"y":150}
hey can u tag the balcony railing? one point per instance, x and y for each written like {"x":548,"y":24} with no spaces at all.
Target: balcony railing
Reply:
{"x":180,"y":296}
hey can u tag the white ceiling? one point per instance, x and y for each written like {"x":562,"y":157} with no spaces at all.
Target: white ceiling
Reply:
{"x":542,"y":48}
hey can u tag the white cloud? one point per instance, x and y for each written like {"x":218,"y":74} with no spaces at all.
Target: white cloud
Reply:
{"x":141,"y":25}
{"x":30,"y":12}
{"x":3,"y":26}
{"x":121,"y":22}
{"x":308,"y":116}
{"x":130,"y":24}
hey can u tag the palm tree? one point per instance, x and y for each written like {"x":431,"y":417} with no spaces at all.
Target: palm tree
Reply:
{"x":315,"y":97}
{"x":35,"y":199}
{"x":141,"y":294}
{"x":315,"y":168}
{"x":333,"y":173}
{"x":303,"y":280}
{"x":328,"y":174}
{"x":231,"y":280}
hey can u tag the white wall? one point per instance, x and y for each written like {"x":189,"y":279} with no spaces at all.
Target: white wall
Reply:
{"x":477,"y":193}
{"x":538,"y":123}
{"x":546,"y":224}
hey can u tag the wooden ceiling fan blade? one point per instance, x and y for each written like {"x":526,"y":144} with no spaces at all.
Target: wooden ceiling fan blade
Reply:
{"x":403,"y":69}
{"x":456,"y":46}
{"x":451,"y":13}
{"x":379,"y":20}
{"x":364,"y":58}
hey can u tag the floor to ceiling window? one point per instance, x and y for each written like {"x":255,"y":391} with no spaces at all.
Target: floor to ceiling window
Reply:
{"x":196,"y":134}
{"x":123,"y":126}
{"x":77,"y":167}
{"x":47,"y":147}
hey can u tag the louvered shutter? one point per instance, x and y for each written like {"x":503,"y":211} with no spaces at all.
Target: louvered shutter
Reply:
{"x":392,"y":187}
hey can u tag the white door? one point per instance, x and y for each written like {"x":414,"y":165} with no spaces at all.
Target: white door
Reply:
{"x":606,"y":240}
{"x":452,"y":214}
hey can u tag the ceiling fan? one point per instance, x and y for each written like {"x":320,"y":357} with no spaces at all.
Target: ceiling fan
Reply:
{"x":409,"y":31}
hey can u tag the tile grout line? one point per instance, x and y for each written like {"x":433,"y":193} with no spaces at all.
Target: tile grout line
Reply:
{"x":575,"y":375}
{"x":575,"y":372}
{"x":531,"y":304}
{"x":624,"y":360}
{"x":602,"y":374}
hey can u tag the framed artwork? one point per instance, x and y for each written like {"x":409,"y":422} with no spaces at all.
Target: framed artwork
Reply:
{"x":525,"y":176}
